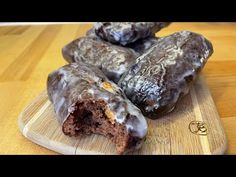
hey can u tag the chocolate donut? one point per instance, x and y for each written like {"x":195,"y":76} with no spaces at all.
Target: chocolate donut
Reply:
{"x":86,"y":102}
{"x":127,"y":32}
{"x":113,"y":60}
{"x":163,"y":74}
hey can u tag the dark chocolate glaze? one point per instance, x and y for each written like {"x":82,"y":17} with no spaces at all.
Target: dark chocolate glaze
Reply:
{"x":163,"y":74}
{"x":113,"y":60}
{"x":78,"y":82}
{"x":91,"y":33}
{"x":142,"y":45}
{"x":127,"y":32}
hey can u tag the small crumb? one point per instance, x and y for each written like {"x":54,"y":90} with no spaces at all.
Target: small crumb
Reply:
{"x":107,"y":86}
{"x":110,"y":115}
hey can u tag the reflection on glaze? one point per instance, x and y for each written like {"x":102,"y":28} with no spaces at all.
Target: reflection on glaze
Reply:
{"x":78,"y":81}
{"x":163,"y":74}
{"x":127,"y":32}
{"x":113,"y":60}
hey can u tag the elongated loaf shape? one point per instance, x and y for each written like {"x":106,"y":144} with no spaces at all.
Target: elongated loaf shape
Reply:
{"x":113,"y":60}
{"x":86,"y":102}
{"x":163,"y":74}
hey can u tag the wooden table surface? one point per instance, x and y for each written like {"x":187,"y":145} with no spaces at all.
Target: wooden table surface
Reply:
{"x":29,"y":53}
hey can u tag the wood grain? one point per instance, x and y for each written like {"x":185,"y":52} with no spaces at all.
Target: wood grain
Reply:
{"x":16,"y":92}
{"x":169,"y":135}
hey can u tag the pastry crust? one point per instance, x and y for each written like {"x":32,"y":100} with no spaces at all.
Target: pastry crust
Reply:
{"x":86,"y":102}
{"x":124,"y":33}
{"x":163,"y":74}
{"x":113,"y":60}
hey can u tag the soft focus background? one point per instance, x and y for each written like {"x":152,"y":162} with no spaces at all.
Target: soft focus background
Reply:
{"x":29,"y":52}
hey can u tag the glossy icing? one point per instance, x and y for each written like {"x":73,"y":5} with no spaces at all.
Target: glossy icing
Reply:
{"x":78,"y":81}
{"x":164,"y":73}
{"x":127,"y":32}
{"x":142,"y":45}
{"x":113,"y":60}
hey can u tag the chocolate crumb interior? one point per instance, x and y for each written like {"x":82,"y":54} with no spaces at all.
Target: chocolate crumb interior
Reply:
{"x":89,"y":117}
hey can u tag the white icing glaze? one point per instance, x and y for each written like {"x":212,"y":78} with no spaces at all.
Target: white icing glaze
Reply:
{"x":126,"y":32}
{"x":141,"y":127}
{"x":81,"y":82}
{"x":113,"y":60}
{"x":59,"y":104}
{"x":158,"y":77}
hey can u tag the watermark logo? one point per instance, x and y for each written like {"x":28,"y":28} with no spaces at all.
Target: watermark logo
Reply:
{"x":198,"y":128}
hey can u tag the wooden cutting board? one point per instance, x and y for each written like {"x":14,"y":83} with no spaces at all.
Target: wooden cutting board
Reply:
{"x":194,"y":127}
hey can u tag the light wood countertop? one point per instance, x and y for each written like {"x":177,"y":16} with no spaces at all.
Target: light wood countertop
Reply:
{"x":29,"y":53}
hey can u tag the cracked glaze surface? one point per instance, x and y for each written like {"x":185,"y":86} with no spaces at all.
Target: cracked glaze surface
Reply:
{"x":163,"y":74}
{"x":78,"y":81}
{"x":113,"y":60}
{"x":127,"y":32}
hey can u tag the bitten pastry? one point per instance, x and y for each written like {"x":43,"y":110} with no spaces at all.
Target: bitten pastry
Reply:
{"x":127,"y":32}
{"x":86,"y":102}
{"x":113,"y":60}
{"x":162,"y":75}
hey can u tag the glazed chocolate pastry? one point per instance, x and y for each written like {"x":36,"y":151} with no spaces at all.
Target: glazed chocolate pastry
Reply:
{"x":142,"y":45}
{"x":91,"y":33}
{"x":111,"y":59}
{"x":163,"y":75}
{"x":127,"y":32}
{"x":139,"y":46}
{"x":86,"y":102}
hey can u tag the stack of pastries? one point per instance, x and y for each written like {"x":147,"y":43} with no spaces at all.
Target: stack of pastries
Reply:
{"x":121,"y":74}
